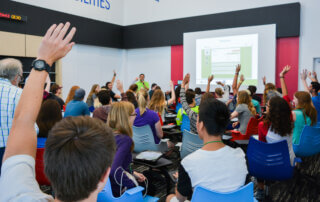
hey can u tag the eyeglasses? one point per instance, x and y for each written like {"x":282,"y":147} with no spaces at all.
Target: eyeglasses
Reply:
{"x":135,"y":114}
{"x":21,"y":77}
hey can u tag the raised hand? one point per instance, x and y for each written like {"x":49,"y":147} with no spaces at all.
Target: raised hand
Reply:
{"x":242,"y":78}
{"x":303,"y":74}
{"x":285,"y":70}
{"x":220,"y":83}
{"x":171,"y":84}
{"x":186,"y":79}
{"x":54,"y":44}
{"x":210,"y":78}
{"x":119,"y":86}
{"x":238,"y":68}
{"x":264,"y":79}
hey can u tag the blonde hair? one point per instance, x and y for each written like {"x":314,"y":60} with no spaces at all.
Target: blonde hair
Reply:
{"x":244,"y":98}
{"x":219,"y":92}
{"x":267,"y":88}
{"x":93,"y":90}
{"x":157,"y":102}
{"x":118,"y":117}
{"x":71,"y":94}
{"x":305,"y":104}
{"x":142,"y":96}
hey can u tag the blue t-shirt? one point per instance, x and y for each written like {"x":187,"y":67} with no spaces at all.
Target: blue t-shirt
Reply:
{"x":150,"y":118}
{"x":76,"y":108}
{"x":316,"y":103}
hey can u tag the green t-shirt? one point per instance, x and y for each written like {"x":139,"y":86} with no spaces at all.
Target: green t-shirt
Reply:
{"x":181,"y":112}
{"x":140,"y":84}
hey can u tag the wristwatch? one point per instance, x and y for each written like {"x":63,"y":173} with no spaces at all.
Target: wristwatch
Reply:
{"x":40,"y":65}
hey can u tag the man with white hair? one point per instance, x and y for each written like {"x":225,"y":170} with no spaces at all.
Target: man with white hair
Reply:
{"x":10,"y":77}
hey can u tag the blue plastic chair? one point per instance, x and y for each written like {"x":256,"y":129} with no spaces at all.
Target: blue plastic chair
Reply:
{"x":144,"y":141}
{"x":269,"y":161}
{"x":134,"y":194}
{"x":185,"y":123}
{"x":190,"y":143}
{"x":244,"y":194}
{"x":309,"y":142}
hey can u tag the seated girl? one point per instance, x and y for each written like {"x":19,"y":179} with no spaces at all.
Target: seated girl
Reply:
{"x":146,"y":116}
{"x":120,"y":119}
{"x":49,"y":115}
{"x":244,"y":110}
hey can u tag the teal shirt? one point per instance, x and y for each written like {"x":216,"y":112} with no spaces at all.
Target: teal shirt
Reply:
{"x":299,"y":124}
{"x":256,"y":105}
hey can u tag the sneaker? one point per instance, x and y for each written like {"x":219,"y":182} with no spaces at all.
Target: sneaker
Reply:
{"x":259,"y":195}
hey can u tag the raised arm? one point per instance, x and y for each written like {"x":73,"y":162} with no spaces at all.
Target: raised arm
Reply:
{"x":235,"y":80}
{"x":173,"y":94}
{"x":264,"y":80}
{"x":303,"y":76}
{"x":240,"y":82}
{"x":284,"y":71}
{"x":113,"y":78}
{"x":183,"y":99}
{"x":48,"y":84}
{"x":120,"y":89}
{"x":313,"y":76}
{"x":23,"y":138}
{"x":210,"y":78}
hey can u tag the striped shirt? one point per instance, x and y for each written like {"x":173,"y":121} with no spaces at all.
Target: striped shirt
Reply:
{"x":9,"y":98}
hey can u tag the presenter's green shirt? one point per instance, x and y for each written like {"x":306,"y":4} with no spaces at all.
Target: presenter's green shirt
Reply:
{"x":140,"y":84}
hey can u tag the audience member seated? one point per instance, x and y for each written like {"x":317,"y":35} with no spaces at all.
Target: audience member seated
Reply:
{"x":244,"y":111}
{"x":159,"y":104}
{"x":222,"y":95}
{"x":153,"y":88}
{"x":77,"y":107}
{"x":212,"y":166}
{"x":132,"y":98}
{"x":146,"y":116}
{"x":56,"y":93}
{"x":253,"y":90}
{"x":71,"y":94}
{"x":102,"y":112}
{"x":79,"y":150}
{"x":10,"y":77}
{"x":303,"y":114}
{"x":314,"y":89}
{"x":193,"y":115}
{"x":178,"y":105}
{"x":95,"y":89}
{"x":49,"y":115}
{"x":141,"y":83}
{"x":190,"y":100}
{"x":109,"y":86}
{"x":121,"y":118}
{"x":198,"y":93}
{"x":270,"y":91}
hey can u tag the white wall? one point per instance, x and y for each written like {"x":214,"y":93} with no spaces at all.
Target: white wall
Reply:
{"x":155,"y":63}
{"x":143,"y":11}
{"x":88,"y":65}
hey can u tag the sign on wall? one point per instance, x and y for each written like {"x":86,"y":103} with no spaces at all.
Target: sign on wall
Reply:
{"x":102,"y":10}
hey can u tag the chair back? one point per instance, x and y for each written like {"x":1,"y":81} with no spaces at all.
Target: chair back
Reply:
{"x":190,"y":143}
{"x":134,"y":194}
{"x":244,"y":194}
{"x":40,"y":176}
{"x":143,"y":139}
{"x":269,"y":161}
{"x":309,"y":144}
{"x":185,"y":123}
{"x":252,"y":129}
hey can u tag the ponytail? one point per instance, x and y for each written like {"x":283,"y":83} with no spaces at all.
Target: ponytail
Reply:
{"x":142,"y":100}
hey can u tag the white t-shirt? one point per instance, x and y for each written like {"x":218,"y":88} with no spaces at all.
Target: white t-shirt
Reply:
{"x":18,"y":182}
{"x":222,"y":170}
{"x":274,"y":137}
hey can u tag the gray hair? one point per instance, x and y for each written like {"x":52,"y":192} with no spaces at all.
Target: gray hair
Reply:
{"x":10,"y":68}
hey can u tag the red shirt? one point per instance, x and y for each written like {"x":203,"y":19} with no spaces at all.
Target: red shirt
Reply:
{"x":263,"y":131}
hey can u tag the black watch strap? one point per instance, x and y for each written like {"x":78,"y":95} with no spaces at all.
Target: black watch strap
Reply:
{"x":40,"y":65}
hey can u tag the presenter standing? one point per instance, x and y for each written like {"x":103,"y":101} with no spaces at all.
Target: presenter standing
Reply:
{"x":141,"y":83}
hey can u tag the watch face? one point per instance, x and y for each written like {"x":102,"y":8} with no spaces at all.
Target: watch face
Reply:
{"x":39,"y":64}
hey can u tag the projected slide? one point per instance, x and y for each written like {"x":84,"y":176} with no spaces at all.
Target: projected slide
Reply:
{"x":220,"y":55}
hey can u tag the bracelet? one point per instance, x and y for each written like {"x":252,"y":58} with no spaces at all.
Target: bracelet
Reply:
{"x":281,"y":77}
{"x":114,"y":74}
{"x":237,"y":73}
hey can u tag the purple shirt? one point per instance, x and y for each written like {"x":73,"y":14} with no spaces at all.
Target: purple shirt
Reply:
{"x":122,"y":160}
{"x":150,"y":118}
